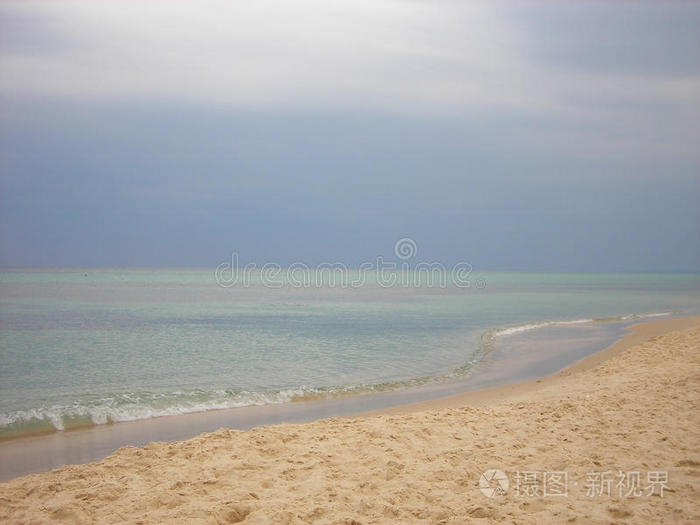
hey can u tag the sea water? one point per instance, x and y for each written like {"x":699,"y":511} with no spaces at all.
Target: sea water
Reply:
{"x":92,"y":346}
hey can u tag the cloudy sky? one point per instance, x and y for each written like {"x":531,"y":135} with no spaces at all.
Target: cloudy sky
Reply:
{"x":512,"y":135}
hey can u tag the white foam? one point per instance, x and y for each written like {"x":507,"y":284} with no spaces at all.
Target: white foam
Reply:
{"x":134,"y":406}
{"x":526,"y":327}
{"x":510,"y":330}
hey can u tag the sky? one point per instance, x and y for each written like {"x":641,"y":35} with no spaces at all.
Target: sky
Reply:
{"x":536,"y":136}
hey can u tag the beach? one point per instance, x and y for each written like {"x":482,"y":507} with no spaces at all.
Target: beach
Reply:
{"x":611,"y":439}
{"x":349,"y":263}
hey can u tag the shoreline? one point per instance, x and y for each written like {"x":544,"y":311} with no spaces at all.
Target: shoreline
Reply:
{"x":635,"y":334}
{"x":630,"y":412}
{"x":438,"y":385}
{"x":39,"y":453}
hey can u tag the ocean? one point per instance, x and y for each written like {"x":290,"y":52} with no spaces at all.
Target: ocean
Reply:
{"x":86,"y":346}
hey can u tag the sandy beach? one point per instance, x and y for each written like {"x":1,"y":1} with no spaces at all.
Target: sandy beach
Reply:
{"x":612,"y":439}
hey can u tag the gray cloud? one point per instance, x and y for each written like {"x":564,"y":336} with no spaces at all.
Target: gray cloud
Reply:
{"x":635,"y":38}
{"x":528,"y":136}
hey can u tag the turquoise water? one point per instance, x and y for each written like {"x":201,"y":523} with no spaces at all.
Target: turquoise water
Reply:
{"x":91,"y":346}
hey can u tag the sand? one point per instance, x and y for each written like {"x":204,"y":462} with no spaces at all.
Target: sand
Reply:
{"x":622,"y":426}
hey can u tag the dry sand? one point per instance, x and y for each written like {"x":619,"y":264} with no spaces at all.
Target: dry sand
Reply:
{"x":630,"y":409}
